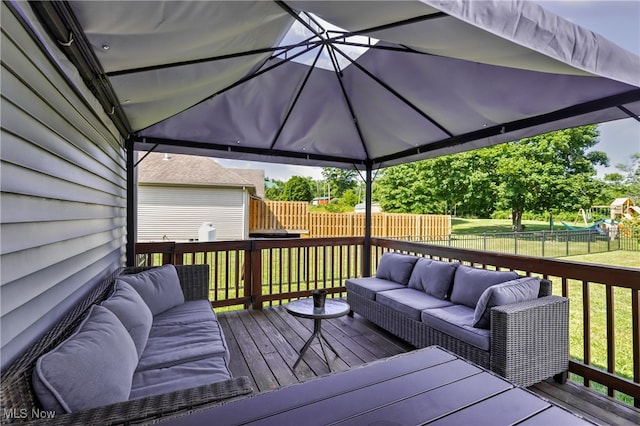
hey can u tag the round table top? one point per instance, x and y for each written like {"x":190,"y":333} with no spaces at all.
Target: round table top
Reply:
{"x":304,"y":308}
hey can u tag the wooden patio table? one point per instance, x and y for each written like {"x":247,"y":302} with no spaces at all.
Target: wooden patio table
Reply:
{"x":426,"y":386}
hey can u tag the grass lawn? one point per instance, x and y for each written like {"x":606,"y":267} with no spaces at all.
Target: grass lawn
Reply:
{"x":622,"y":317}
{"x":629,"y":259}
{"x":478,"y":226}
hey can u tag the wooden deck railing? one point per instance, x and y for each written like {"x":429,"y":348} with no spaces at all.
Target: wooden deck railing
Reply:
{"x":253,"y":273}
{"x":257,"y":272}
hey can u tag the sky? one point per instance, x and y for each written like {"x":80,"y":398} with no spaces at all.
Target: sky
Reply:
{"x":618,"y":21}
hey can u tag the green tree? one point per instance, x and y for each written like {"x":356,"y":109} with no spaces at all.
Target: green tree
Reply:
{"x":615,"y":180}
{"x":297,"y":189}
{"x":406,"y":189}
{"x":460,"y":184}
{"x":273,"y":189}
{"x":551,"y":171}
{"x":631,"y":175}
{"x":339,"y":179}
{"x":349,"y":198}
{"x":466,"y":182}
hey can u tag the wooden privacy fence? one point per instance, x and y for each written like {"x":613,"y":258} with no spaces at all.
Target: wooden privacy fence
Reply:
{"x":391,"y":225}
{"x":273,"y":217}
{"x":269,"y":216}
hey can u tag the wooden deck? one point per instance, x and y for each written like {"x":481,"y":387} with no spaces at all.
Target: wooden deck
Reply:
{"x":264,"y":344}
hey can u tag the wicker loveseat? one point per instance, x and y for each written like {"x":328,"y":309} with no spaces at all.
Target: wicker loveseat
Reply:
{"x":509,"y":324}
{"x":169,"y":378}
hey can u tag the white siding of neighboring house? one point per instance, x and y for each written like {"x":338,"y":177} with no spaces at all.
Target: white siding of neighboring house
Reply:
{"x":176,"y":212}
{"x":63,"y":199}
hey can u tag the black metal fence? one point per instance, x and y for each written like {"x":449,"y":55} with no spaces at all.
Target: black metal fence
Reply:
{"x":540,"y":243}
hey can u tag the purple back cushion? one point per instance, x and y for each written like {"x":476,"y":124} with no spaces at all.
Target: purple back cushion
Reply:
{"x":396,"y":267}
{"x":93,"y":367}
{"x":434,"y":277}
{"x":159,"y":287}
{"x":519,"y":290}
{"x":127,"y":304}
{"x":469,"y":283}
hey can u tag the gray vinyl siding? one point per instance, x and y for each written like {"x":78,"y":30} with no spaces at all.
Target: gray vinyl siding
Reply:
{"x":178,"y":211}
{"x":63,"y":199}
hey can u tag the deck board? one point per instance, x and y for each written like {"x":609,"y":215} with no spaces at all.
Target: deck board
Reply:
{"x":264,"y":344}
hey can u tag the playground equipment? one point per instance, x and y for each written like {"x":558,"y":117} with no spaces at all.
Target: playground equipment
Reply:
{"x":606,"y":227}
{"x":585,"y":217}
{"x":620,"y":207}
{"x":580,"y":228}
{"x":631,"y":212}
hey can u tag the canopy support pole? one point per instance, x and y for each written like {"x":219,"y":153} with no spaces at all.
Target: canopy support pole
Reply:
{"x":366,"y":249}
{"x":131,"y":204}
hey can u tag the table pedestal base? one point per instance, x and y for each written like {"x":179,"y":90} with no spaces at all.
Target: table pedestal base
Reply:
{"x":317,"y":332}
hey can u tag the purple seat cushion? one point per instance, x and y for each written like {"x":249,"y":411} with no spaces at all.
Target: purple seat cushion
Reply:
{"x":457,"y":322}
{"x":369,"y":287}
{"x":410,"y":302}
{"x":519,"y":290}
{"x":469,"y":283}
{"x":396,"y":267}
{"x":434,"y":277}
{"x":189,"y":312}
{"x":176,"y":344}
{"x":182,"y":376}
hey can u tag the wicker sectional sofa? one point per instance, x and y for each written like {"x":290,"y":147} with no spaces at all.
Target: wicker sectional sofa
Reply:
{"x":144,"y":344}
{"x":509,"y":324}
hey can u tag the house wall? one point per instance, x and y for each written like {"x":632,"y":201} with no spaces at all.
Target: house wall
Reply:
{"x":178,"y":211}
{"x":63,"y":199}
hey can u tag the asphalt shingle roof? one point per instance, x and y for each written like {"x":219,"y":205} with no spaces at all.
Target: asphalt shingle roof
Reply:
{"x":195,"y":170}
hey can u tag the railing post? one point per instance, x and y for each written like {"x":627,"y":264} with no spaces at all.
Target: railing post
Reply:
{"x":635,"y":320}
{"x":611,"y":336}
{"x":566,"y":233}
{"x":169,"y":256}
{"x":256,"y":277}
{"x":544,"y":238}
{"x":247,"y":273}
{"x":484,"y":241}
{"x":178,"y":257}
{"x":515,"y":242}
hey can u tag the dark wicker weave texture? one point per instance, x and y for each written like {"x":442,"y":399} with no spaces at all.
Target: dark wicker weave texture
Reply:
{"x":17,"y":392}
{"x":529,"y":340}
